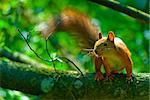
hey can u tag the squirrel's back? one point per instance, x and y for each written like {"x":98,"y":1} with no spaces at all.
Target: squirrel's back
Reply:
{"x":76,"y":23}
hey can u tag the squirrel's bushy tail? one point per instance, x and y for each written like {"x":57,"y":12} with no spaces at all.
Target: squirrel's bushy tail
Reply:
{"x":77,"y":24}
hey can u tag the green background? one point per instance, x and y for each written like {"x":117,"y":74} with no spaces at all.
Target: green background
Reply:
{"x":27,"y":14}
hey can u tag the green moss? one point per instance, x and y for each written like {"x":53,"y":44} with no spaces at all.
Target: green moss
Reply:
{"x":47,"y":85}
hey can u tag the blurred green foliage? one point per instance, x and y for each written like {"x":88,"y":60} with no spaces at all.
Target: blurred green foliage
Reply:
{"x":26,"y":14}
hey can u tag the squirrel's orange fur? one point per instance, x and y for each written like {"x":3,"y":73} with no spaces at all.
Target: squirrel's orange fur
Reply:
{"x":76,"y":23}
{"x":113,"y":54}
{"x":109,"y":51}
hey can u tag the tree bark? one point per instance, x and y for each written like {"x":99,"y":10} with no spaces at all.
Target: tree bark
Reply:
{"x":70,"y":85}
{"x":135,"y":13}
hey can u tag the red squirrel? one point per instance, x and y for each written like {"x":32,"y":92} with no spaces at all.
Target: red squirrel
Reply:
{"x":109,"y":51}
{"x":112,"y":52}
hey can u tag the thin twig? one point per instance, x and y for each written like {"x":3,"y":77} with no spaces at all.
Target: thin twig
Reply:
{"x":67,"y":60}
{"x":50,"y":55}
{"x":72,"y":64}
{"x":31,"y":47}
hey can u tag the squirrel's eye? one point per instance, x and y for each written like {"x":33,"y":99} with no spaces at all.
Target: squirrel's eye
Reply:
{"x":105,"y":44}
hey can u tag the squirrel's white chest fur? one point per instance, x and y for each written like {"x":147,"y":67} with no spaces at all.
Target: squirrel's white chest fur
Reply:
{"x":113,"y":59}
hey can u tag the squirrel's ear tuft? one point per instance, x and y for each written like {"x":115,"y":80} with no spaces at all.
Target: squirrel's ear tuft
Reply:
{"x":111,"y":36}
{"x":100,"y":35}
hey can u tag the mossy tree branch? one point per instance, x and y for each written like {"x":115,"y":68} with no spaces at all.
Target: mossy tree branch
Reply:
{"x":68,"y":85}
{"x":135,"y":13}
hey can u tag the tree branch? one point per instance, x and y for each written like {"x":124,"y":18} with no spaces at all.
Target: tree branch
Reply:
{"x":18,"y":57}
{"x":68,"y":85}
{"x":142,"y":16}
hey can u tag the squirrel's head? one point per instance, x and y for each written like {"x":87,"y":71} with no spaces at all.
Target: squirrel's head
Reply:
{"x":104,"y":44}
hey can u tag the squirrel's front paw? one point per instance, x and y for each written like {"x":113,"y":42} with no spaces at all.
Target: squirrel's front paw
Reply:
{"x":109,"y":77}
{"x":130,"y":79}
{"x":98,"y":76}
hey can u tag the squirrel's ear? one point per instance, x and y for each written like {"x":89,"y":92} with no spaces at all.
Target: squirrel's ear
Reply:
{"x":100,"y":35}
{"x":111,"y":36}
